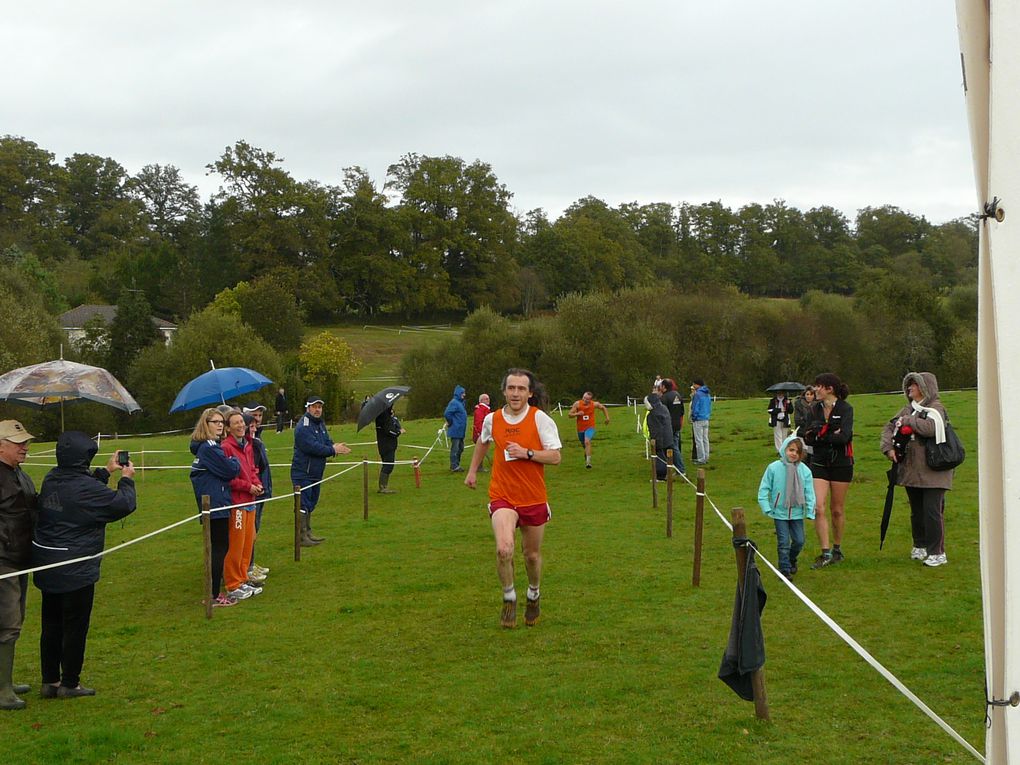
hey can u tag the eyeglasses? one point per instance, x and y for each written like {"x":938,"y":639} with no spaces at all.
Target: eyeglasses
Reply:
{"x":215,"y":422}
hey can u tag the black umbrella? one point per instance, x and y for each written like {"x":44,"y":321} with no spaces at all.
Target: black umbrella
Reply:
{"x":785,"y":387}
{"x":380,"y":402}
{"x":889,"y":496}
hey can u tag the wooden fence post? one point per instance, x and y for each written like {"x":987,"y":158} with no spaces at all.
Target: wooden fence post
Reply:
{"x":417,"y":473}
{"x":655,"y":485}
{"x":297,"y":523}
{"x":761,"y":700}
{"x":699,"y":523}
{"x":207,"y":553}
{"x":669,"y":493}
{"x":364,"y":471}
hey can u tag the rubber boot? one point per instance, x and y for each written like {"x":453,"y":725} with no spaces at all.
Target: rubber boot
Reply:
{"x":306,"y":541}
{"x":8,"y":698}
{"x":308,"y":525}
{"x":384,"y":480}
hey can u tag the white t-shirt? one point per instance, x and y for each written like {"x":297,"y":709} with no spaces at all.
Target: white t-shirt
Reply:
{"x":547,"y":430}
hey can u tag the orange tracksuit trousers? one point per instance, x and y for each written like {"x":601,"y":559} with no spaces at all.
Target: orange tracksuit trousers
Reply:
{"x":242,"y":540}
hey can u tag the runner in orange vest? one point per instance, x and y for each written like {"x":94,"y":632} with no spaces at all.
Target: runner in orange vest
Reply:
{"x":584,"y":412}
{"x":526,"y":440}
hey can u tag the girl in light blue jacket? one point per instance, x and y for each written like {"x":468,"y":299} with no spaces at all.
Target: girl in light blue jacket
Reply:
{"x":787,"y":495}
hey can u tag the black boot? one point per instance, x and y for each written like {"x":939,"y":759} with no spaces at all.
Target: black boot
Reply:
{"x":384,"y":480}
{"x":306,"y":539}
{"x":308,"y":525}
{"x":8,"y":698}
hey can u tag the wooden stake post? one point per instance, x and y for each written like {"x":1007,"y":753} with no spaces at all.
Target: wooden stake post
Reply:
{"x":699,"y":523}
{"x":761,"y":700}
{"x":364,"y":471}
{"x":669,"y":493}
{"x":207,"y":553}
{"x":417,"y":473}
{"x":655,"y":485}
{"x":297,"y":522}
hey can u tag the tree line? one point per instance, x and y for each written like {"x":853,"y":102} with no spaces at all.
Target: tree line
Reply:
{"x":437,"y":234}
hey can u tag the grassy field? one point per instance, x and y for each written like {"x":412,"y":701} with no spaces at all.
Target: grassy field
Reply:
{"x":382,"y":644}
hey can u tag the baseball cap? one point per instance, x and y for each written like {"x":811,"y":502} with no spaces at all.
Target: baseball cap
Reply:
{"x":313,"y":400}
{"x":254,"y":406}
{"x":12,"y":430}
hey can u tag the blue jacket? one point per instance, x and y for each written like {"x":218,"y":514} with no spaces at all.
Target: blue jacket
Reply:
{"x":312,"y":447}
{"x":456,"y":415}
{"x":701,"y":404}
{"x":211,"y":473}
{"x":772,"y":490}
{"x":75,"y":504}
{"x":262,"y":465}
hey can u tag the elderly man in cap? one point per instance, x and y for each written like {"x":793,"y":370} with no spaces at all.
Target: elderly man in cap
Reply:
{"x":312,"y":447}
{"x":17,"y":517}
{"x":256,"y":411}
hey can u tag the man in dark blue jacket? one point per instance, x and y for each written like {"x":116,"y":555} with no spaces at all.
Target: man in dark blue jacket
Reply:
{"x":312,"y":447}
{"x":456,"y":426}
{"x":75,"y":504}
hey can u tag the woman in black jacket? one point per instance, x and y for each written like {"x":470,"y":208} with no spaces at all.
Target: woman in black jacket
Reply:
{"x":74,"y":507}
{"x":830,"y":433}
{"x":387,"y":433}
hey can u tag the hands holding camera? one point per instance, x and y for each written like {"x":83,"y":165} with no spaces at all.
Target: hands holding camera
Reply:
{"x":121,"y":460}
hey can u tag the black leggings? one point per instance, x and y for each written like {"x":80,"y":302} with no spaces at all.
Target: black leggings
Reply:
{"x":65,"y":626}
{"x":387,"y":454}
{"x":219,"y":530}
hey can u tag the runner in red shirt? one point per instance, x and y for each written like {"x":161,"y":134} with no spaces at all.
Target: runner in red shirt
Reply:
{"x":526,"y":440}
{"x":584,"y":412}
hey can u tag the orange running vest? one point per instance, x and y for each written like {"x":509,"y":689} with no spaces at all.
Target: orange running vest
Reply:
{"x":522,"y":481}
{"x":587,"y":418}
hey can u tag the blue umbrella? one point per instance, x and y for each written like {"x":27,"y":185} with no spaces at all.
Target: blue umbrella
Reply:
{"x":217,"y":385}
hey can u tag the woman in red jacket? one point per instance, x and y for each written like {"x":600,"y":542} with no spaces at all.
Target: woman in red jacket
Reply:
{"x":243,"y":491}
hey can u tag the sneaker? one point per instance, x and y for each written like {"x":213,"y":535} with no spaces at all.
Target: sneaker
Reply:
{"x":533,"y":611}
{"x":255,"y":577}
{"x":457,"y":469}
{"x":255,"y":584}
{"x":241,"y":593}
{"x":793,"y":569}
{"x":251,"y":590}
{"x":222,"y":601}
{"x":837,"y":555}
{"x":936,"y":560}
{"x":587,"y":465}
{"x":508,"y":616}
{"x":918,"y":553}
{"x":822,"y":561}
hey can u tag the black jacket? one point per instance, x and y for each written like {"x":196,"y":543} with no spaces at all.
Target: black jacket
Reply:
{"x":74,"y":508}
{"x":832,"y":441}
{"x":387,"y":430}
{"x":660,"y":427}
{"x":17,"y":516}
{"x":674,"y":402}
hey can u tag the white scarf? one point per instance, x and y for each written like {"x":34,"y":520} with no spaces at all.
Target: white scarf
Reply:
{"x":935,"y":416}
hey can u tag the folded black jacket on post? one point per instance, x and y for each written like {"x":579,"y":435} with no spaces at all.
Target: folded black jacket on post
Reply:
{"x":75,"y":504}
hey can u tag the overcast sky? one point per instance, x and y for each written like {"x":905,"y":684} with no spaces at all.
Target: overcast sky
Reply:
{"x":811,"y":101}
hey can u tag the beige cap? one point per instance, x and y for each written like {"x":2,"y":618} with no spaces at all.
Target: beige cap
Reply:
{"x":12,"y":430}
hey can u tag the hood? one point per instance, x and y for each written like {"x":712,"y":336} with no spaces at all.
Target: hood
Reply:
{"x":928,"y":384}
{"x":458,"y":391}
{"x":703,"y":391}
{"x":652,"y":400}
{"x":786,"y":442}
{"x":75,"y":450}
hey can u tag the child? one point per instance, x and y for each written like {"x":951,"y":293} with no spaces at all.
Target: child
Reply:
{"x":787,"y":495}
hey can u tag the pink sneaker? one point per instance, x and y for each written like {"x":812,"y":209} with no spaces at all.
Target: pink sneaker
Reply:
{"x":221,"y":601}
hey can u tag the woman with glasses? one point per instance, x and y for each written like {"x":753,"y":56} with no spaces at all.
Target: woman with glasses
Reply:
{"x":211,"y":473}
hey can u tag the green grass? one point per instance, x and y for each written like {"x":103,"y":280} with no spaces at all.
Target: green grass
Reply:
{"x":382,"y":644}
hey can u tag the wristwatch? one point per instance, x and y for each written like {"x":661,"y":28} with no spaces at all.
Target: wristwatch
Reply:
{"x":531,"y":453}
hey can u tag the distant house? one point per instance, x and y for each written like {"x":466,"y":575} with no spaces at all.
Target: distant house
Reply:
{"x":73,"y":321}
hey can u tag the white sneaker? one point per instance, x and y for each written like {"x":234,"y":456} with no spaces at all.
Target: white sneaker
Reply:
{"x":251,"y":590}
{"x":239,"y":594}
{"x":936,"y":560}
{"x":918,"y":553}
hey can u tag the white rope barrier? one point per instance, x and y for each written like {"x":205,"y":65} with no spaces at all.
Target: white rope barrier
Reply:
{"x":843,"y":634}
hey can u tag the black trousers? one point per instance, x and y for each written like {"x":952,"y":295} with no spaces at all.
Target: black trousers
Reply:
{"x":219,"y":533}
{"x":387,"y":453}
{"x":927,"y":513}
{"x":65,"y":626}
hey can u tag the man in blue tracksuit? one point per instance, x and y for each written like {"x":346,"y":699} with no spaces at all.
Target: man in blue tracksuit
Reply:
{"x":312,"y":447}
{"x":701,"y":412}
{"x":456,"y":426}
